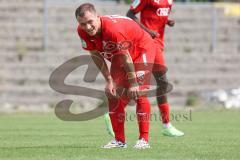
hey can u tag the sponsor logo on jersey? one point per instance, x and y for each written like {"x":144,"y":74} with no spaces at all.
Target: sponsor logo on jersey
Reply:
{"x":106,"y":55}
{"x":156,"y":1}
{"x":163,"y":11}
{"x":114,"y":46}
{"x":109,"y":47}
{"x":140,"y":77}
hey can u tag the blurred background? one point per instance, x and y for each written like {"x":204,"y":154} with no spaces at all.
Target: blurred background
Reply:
{"x":36,"y":36}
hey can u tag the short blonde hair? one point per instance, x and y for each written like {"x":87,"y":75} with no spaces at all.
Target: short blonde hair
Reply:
{"x":83,"y":8}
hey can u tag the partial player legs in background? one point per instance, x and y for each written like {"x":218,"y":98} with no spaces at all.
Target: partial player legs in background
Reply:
{"x":164,"y":108}
{"x":108,"y":124}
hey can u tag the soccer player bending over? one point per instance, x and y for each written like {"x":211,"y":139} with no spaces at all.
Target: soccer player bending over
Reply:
{"x":153,"y":19}
{"x":131,"y":52}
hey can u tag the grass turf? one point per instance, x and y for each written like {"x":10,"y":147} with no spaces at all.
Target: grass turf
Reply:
{"x":209,"y":135}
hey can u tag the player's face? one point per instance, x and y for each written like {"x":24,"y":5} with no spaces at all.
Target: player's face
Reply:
{"x":90,"y":23}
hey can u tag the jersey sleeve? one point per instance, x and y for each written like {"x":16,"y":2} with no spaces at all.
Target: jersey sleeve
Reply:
{"x":138,"y":5}
{"x":86,"y":43}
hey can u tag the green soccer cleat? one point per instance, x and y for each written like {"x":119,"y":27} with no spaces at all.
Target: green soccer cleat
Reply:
{"x":108,"y":125}
{"x":171,"y":131}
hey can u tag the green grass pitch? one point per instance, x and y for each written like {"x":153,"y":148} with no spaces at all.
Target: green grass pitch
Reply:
{"x":210,"y":135}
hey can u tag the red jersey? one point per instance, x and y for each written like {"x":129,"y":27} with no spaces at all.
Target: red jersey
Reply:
{"x":154,"y":15}
{"x":118,"y":33}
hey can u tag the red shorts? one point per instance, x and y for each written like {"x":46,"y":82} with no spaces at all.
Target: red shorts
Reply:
{"x":159,"y":62}
{"x":150,"y":60}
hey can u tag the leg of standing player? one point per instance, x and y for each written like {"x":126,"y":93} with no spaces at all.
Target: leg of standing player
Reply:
{"x":117,"y":112}
{"x":143,"y":68}
{"x":117,"y":108}
{"x":159,"y":72}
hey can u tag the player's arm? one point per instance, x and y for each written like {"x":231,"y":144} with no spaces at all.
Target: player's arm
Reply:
{"x":133,"y":91}
{"x":170,"y":22}
{"x":99,"y":61}
{"x":136,"y":7}
{"x":133,"y":16}
{"x":102,"y":66}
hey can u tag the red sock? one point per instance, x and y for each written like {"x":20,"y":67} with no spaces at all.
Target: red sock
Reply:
{"x":117,"y":120}
{"x":165,"y":113}
{"x":143,"y":116}
{"x":117,"y":116}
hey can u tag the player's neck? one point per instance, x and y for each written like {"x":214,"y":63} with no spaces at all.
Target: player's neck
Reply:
{"x":98,"y":33}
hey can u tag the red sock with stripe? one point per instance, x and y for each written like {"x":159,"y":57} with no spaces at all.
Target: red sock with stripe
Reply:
{"x":165,"y":112}
{"x":143,"y":117}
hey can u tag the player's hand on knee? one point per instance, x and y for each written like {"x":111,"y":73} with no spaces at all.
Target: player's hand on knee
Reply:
{"x":133,"y":91}
{"x":110,"y":90}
